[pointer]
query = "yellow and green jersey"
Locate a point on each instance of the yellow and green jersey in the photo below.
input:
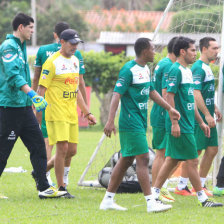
(204, 81)
(180, 82)
(60, 75)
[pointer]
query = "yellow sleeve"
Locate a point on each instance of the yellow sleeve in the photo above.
(47, 73)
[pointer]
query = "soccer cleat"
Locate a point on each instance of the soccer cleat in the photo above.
(210, 203)
(109, 204)
(3, 196)
(35, 178)
(207, 192)
(184, 192)
(166, 194)
(51, 192)
(217, 191)
(164, 200)
(67, 195)
(156, 205)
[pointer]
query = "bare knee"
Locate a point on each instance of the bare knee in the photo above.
(192, 163)
(211, 152)
(142, 160)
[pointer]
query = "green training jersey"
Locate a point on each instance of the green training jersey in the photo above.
(204, 81)
(134, 85)
(180, 82)
(158, 114)
(47, 50)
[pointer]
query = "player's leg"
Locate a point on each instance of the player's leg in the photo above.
(115, 180)
(33, 140)
(219, 188)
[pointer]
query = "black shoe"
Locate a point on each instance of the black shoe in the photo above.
(210, 203)
(35, 178)
(67, 195)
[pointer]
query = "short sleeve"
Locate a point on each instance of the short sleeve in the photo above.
(165, 76)
(38, 62)
(198, 77)
(47, 73)
(81, 63)
(174, 79)
(124, 81)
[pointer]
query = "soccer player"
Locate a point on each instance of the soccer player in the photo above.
(134, 88)
(43, 53)
(157, 118)
(16, 97)
(204, 86)
(181, 143)
(60, 79)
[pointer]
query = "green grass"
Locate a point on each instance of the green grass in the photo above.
(24, 206)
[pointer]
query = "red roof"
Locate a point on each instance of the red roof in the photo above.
(122, 20)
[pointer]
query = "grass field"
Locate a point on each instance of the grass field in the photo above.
(24, 206)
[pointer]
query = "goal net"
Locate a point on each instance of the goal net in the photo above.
(194, 19)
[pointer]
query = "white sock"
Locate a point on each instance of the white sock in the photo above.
(109, 195)
(202, 196)
(48, 175)
(65, 177)
(166, 183)
(149, 197)
(155, 192)
(182, 183)
(203, 179)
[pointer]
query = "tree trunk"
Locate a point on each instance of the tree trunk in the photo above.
(105, 107)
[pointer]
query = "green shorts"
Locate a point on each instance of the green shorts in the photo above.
(182, 148)
(159, 138)
(133, 143)
(43, 126)
(202, 141)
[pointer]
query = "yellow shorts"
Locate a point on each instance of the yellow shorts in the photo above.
(62, 131)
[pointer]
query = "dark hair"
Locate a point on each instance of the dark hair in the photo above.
(141, 44)
(204, 42)
(23, 19)
(171, 44)
(181, 43)
(60, 27)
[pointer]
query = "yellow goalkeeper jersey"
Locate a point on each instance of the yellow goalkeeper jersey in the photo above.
(60, 75)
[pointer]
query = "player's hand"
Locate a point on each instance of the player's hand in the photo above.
(91, 119)
(210, 120)
(39, 102)
(175, 130)
(109, 128)
(206, 129)
(218, 115)
(174, 114)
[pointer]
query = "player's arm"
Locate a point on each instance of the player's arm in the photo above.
(164, 93)
(82, 88)
(175, 129)
(202, 107)
(82, 105)
(174, 114)
(110, 127)
(218, 114)
(37, 72)
(205, 128)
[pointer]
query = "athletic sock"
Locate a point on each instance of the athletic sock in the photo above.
(182, 183)
(149, 197)
(202, 196)
(166, 183)
(48, 175)
(109, 195)
(155, 192)
(65, 177)
(203, 179)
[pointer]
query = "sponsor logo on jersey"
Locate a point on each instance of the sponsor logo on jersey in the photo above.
(197, 82)
(141, 76)
(8, 55)
(211, 88)
(68, 94)
(44, 77)
(49, 53)
(72, 81)
(118, 84)
(191, 91)
(63, 67)
(171, 84)
(75, 65)
(46, 72)
(145, 91)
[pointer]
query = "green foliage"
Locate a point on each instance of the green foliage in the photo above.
(102, 69)
(64, 12)
(197, 21)
(7, 12)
